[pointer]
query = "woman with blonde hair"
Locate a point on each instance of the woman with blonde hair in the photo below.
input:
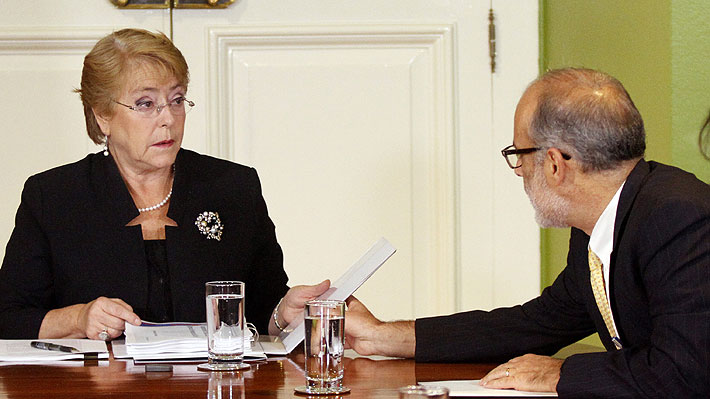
(134, 231)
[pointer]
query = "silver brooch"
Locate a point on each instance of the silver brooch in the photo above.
(209, 225)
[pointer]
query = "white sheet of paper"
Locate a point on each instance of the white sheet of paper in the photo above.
(343, 287)
(271, 345)
(19, 350)
(471, 388)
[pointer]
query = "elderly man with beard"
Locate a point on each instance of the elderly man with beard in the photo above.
(638, 267)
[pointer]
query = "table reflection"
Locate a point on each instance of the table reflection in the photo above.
(223, 385)
(367, 377)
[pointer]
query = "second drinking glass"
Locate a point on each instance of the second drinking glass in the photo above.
(324, 346)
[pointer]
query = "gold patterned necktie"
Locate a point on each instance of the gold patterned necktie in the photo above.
(596, 276)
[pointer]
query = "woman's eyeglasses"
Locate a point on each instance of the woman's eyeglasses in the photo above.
(148, 109)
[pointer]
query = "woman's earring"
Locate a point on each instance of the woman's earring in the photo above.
(106, 147)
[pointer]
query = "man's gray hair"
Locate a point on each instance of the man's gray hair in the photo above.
(589, 115)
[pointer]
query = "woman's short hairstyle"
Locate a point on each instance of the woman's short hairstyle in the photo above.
(113, 58)
(590, 115)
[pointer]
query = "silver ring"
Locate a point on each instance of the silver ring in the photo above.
(507, 372)
(104, 336)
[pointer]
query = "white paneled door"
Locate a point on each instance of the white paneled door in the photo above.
(363, 118)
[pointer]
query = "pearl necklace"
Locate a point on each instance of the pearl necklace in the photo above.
(158, 205)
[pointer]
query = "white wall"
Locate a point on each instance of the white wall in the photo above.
(364, 119)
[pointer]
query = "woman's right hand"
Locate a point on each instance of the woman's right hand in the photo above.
(88, 320)
(105, 314)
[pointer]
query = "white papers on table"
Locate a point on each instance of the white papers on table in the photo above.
(271, 345)
(345, 286)
(19, 350)
(173, 341)
(471, 388)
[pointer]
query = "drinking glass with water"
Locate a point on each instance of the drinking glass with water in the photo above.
(324, 346)
(225, 326)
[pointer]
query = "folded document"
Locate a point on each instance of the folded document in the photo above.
(20, 350)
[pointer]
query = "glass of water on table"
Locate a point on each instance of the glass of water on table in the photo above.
(324, 326)
(225, 326)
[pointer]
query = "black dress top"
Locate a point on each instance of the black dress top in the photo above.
(71, 244)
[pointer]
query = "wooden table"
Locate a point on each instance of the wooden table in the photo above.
(275, 378)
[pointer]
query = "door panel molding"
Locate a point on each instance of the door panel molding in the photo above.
(44, 41)
(43, 119)
(424, 55)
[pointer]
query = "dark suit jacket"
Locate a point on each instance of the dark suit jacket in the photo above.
(71, 245)
(660, 298)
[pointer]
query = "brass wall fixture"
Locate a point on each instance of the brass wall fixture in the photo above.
(147, 4)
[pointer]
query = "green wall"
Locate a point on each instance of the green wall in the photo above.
(690, 78)
(660, 51)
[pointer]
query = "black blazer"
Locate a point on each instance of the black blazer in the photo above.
(71, 245)
(660, 298)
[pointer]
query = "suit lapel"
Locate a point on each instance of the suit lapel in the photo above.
(626, 200)
(181, 187)
(111, 190)
(628, 195)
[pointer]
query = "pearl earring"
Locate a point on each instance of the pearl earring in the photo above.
(106, 147)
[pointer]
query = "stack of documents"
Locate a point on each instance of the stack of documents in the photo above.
(172, 341)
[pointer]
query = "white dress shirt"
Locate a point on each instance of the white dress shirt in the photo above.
(601, 242)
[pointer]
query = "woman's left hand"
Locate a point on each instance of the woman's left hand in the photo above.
(293, 303)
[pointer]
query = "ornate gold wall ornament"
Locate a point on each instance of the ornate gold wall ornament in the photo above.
(154, 4)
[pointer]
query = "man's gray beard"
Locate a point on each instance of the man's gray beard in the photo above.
(551, 210)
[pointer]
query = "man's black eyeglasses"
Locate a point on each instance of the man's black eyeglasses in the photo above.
(514, 163)
(512, 154)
